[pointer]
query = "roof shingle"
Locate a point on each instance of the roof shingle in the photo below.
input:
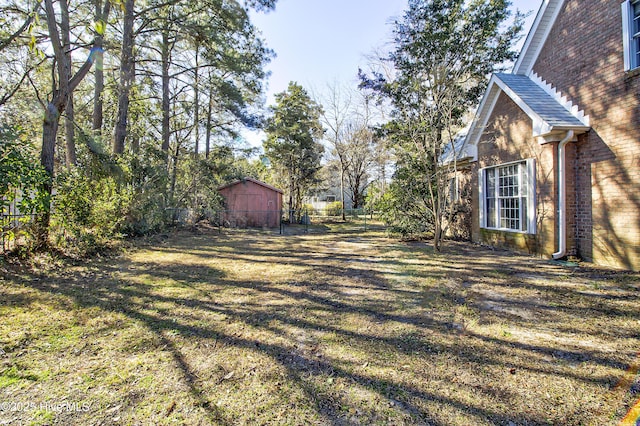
(540, 102)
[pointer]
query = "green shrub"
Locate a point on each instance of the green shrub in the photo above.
(22, 180)
(403, 216)
(88, 214)
(147, 177)
(309, 209)
(334, 209)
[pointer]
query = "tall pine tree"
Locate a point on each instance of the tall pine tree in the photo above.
(292, 145)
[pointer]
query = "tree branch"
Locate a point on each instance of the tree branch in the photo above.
(25, 25)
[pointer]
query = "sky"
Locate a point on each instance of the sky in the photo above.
(322, 42)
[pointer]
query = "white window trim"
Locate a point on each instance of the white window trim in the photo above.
(628, 36)
(530, 197)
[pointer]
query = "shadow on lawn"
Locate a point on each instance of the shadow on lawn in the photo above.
(380, 304)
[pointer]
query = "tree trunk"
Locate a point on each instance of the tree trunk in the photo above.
(165, 95)
(70, 134)
(52, 114)
(70, 144)
(62, 89)
(102, 13)
(98, 104)
(436, 198)
(126, 78)
(209, 119)
(356, 190)
(135, 136)
(174, 173)
(291, 188)
(196, 101)
(437, 236)
(47, 156)
(342, 188)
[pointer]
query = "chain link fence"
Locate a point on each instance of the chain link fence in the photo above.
(286, 222)
(331, 220)
(13, 225)
(13, 228)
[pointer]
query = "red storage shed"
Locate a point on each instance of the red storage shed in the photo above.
(251, 203)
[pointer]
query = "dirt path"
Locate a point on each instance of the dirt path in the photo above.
(256, 328)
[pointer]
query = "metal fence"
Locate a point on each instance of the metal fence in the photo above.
(331, 220)
(285, 222)
(12, 228)
(14, 225)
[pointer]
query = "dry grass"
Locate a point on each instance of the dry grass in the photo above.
(248, 327)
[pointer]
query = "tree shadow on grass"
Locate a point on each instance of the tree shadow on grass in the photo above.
(140, 291)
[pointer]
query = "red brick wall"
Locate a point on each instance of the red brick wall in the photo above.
(583, 59)
(508, 137)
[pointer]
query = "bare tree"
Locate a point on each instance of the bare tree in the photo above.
(350, 118)
(337, 111)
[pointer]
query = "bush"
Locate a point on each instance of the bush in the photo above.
(88, 214)
(22, 180)
(309, 209)
(334, 209)
(403, 216)
(147, 178)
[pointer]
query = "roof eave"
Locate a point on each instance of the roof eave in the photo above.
(482, 115)
(540, 128)
(557, 133)
(257, 182)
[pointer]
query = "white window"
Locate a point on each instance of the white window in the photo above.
(631, 33)
(507, 197)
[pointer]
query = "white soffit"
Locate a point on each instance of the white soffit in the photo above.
(537, 37)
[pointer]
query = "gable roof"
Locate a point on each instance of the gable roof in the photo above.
(248, 179)
(547, 113)
(551, 114)
(533, 44)
(461, 151)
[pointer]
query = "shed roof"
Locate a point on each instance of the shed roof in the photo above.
(248, 179)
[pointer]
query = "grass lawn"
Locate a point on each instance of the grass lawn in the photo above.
(250, 327)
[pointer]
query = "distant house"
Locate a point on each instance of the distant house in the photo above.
(556, 142)
(322, 199)
(251, 203)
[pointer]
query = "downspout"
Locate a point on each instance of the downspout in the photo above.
(562, 198)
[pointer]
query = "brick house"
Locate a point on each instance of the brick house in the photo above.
(556, 142)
